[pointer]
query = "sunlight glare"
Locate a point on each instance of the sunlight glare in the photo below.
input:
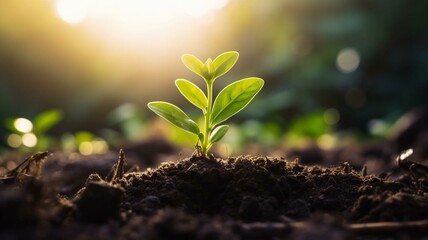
(198, 8)
(128, 18)
(71, 11)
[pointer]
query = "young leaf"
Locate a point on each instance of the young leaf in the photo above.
(193, 64)
(218, 133)
(174, 115)
(208, 70)
(234, 98)
(201, 137)
(192, 93)
(46, 120)
(224, 62)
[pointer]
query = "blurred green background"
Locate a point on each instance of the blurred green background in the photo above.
(82, 71)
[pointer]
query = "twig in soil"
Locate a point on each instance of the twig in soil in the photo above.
(358, 228)
(198, 151)
(118, 169)
(346, 167)
(388, 226)
(415, 169)
(24, 168)
(364, 171)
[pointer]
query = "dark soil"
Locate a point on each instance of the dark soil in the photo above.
(245, 197)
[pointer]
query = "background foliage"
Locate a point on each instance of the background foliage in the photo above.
(330, 66)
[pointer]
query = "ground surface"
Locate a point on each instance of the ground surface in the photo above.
(245, 197)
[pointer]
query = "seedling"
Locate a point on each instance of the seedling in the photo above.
(232, 99)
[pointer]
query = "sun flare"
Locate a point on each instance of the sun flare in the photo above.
(71, 12)
(135, 22)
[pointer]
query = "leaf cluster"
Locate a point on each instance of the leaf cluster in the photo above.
(232, 99)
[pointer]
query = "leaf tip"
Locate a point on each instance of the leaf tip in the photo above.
(186, 55)
(150, 105)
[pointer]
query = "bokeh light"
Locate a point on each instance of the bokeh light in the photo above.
(86, 148)
(348, 60)
(331, 116)
(29, 140)
(23, 125)
(377, 127)
(97, 146)
(14, 140)
(10, 165)
(326, 141)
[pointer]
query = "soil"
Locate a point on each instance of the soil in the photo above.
(244, 197)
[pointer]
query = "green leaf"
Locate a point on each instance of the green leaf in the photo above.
(10, 124)
(193, 64)
(192, 93)
(234, 98)
(224, 62)
(46, 120)
(174, 115)
(218, 133)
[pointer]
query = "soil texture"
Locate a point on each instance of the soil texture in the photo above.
(244, 197)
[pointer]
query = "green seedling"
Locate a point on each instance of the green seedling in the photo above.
(232, 99)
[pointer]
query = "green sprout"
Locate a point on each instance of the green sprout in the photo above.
(232, 99)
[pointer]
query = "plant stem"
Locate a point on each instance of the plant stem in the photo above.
(207, 127)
